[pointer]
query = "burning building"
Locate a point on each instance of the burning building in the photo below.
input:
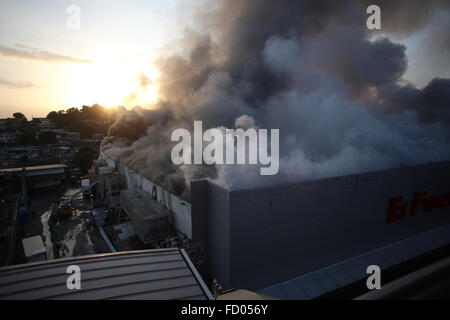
(363, 150)
(151, 208)
(332, 229)
(264, 236)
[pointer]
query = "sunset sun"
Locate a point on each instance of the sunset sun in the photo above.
(109, 83)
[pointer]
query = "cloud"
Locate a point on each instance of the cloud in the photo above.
(16, 84)
(29, 53)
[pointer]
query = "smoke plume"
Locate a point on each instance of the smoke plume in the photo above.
(309, 68)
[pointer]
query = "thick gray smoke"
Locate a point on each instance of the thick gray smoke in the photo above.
(309, 68)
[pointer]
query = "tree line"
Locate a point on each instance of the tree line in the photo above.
(87, 121)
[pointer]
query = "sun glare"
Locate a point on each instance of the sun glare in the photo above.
(111, 83)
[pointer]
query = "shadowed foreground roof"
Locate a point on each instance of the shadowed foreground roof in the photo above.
(148, 274)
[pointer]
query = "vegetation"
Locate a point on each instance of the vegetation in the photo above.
(87, 121)
(19, 116)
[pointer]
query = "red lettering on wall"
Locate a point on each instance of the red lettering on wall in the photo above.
(396, 210)
(417, 202)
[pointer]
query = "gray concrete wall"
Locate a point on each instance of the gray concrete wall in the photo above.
(281, 232)
(211, 227)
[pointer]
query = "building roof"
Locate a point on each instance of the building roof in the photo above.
(149, 274)
(139, 205)
(35, 168)
(33, 246)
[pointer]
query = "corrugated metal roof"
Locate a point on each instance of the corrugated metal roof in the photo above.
(149, 274)
(317, 283)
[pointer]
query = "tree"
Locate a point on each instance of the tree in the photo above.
(52, 116)
(19, 116)
(87, 121)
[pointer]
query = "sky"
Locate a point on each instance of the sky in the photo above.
(45, 66)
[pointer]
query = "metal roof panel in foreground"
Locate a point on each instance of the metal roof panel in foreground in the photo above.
(149, 274)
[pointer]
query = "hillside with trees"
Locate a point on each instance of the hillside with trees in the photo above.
(87, 121)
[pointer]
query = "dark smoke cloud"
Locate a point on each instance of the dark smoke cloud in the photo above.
(432, 102)
(309, 68)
